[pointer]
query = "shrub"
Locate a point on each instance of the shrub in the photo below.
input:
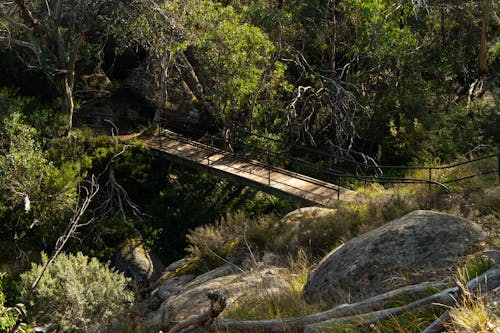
(10, 315)
(76, 294)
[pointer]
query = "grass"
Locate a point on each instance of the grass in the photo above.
(471, 315)
(288, 301)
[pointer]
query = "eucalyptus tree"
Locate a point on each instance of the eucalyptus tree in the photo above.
(221, 64)
(49, 35)
(146, 24)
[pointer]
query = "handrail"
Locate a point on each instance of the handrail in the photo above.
(326, 154)
(213, 149)
(240, 133)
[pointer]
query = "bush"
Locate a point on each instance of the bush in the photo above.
(76, 294)
(9, 316)
(236, 235)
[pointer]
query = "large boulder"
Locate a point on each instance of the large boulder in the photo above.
(191, 298)
(419, 246)
(135, 261)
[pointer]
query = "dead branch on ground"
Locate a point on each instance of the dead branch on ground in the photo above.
(363, 313)
(217, 305)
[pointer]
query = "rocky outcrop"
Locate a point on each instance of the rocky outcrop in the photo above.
(136, 262)
(419, 246)
(190, 298)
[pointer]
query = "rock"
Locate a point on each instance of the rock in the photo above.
(134, 261)
(419, 246)
(313, 228)
(177, 264)
(224, 270)
(492, 303)
(97, 83)
(308, 213)
(173, 286)
(193, 300)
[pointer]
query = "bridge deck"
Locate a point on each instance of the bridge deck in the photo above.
(250, 172)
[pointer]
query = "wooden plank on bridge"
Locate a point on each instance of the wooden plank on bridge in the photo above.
(250, 172)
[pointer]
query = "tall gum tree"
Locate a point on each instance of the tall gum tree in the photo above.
(49, 35)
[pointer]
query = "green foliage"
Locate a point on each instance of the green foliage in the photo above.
(33, 189)
(76, 294)
(36, 190)
(235, 60)
(47, 120)
(9, 316)
(473, 266)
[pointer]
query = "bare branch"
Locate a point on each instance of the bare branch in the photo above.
(74, 223)
(331, 110)
(31, 46)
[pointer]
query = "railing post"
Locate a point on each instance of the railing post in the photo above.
(498, 166)
(268, 168)
(159, 133)
(430, 177)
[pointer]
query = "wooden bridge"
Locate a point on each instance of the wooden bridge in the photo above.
(250, 172)
(257, 167)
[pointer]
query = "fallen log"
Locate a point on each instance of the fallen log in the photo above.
(347, 313)
(449, 297)
(438, 324)
(444, 298)
(343, 310)
(478, 286)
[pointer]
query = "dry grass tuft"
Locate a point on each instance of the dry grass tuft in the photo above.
(471, 316)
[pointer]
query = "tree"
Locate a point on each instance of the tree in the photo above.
(206, 56)
(237, 65)
(148, 25)
(50, 35)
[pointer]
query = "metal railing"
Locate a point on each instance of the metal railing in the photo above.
(269, 167)
(236, 143)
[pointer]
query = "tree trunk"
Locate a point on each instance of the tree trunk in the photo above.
(65, 90)
(483, 52)
(333, 5)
